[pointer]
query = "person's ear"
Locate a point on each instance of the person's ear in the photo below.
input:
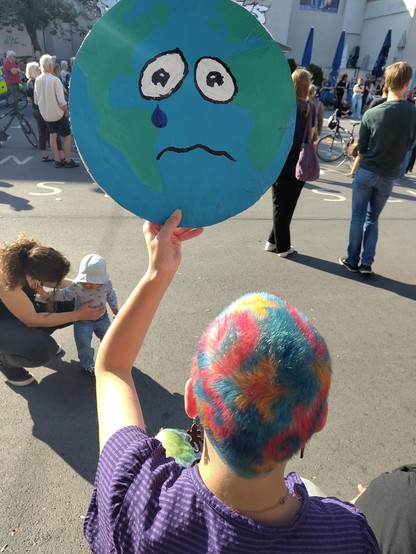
(189, 401)
(322, 420)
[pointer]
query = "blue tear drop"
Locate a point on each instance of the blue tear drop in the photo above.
(159, 118)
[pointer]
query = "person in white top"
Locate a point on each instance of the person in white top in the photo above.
(49, 96)
(357, 99)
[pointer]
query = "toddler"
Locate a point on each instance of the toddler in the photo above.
(91, 284)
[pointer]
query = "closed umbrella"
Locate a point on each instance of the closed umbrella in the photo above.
(381, 60)
(344, 59)
(307, 53)
(336, 62)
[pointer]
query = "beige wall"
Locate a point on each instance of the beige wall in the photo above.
(58, 47)
(12, 39)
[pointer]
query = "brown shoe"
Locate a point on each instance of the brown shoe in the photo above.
(71, 163)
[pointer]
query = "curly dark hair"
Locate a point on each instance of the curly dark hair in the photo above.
(27, 256)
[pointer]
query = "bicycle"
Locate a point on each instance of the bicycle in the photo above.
(334, 146)
(21, 101)
(6, 97)
(24, 125)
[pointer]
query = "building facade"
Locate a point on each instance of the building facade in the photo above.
(366, 23)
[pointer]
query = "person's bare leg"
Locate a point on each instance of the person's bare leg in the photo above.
(52, 141)
(61, 152)
(67, 148)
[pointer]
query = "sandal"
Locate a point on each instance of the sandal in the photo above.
(47, 159)
(71, 163)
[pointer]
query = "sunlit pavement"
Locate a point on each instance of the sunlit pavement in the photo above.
(49, 432)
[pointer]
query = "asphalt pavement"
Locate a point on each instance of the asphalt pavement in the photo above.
(49, 446)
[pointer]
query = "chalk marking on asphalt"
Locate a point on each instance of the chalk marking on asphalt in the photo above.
(337, 197)
(16, 160)
(45, 185)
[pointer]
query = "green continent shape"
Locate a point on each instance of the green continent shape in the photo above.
(277, 97)
(215, 25)
(277, 94)
(107, 64)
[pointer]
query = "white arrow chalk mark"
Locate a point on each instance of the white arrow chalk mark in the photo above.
(16, 160)
(337, 197)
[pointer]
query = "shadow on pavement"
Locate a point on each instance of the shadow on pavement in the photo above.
(16, 202)
(407, 290)
(98, 189)
(400, 190)
(312, 186)
(64, 415)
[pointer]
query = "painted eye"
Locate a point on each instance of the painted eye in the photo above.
(163, 75)
(215, 81)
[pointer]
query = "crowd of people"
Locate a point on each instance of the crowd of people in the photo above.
(387, 143)
(260, 377)
(355, 95)
(47, 86)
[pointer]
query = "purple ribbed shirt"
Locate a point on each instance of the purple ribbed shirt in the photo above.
(144, 502)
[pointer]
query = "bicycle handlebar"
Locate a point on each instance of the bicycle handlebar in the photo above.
(335, 118)
(10, 112)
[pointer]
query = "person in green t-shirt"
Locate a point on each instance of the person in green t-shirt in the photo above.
(386, 134)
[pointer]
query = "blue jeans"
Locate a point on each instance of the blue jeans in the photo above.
(357, 101)
(83, 332)
(370, 193)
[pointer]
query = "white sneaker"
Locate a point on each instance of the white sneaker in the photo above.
(270, 247)
(287, 253)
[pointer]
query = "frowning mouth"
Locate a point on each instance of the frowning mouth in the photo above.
(194, 147)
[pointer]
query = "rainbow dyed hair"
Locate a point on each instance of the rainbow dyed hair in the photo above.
(260, 378)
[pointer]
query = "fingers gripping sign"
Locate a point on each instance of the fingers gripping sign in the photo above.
(164, 242)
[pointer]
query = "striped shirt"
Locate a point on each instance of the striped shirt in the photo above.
(144, 502)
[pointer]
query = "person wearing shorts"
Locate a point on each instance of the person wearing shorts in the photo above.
(61, 127)
(49, 96)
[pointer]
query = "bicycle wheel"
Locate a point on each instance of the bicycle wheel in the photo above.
(28, 131)
(21, 101)
(330, 148)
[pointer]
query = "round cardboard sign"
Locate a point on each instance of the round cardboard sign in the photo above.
(179, 104)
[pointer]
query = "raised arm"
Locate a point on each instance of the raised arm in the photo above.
(22, 308)
(117, 401)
